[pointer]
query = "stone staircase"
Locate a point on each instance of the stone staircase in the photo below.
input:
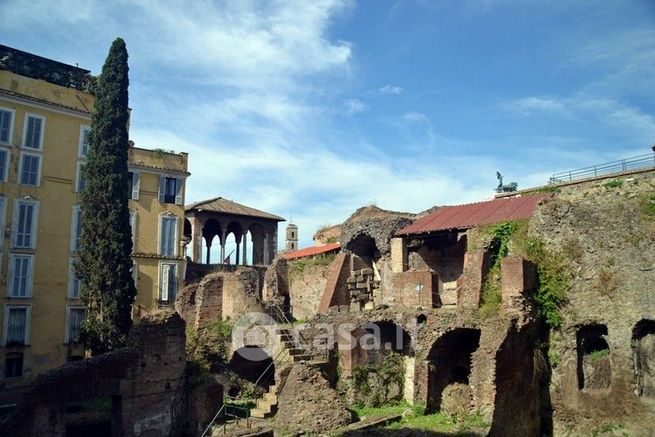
(267, 405)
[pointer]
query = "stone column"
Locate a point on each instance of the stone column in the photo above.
(245, 249)
(209, 248)
(221, 261)
(237, 253)
(196, 239)
(266, 250)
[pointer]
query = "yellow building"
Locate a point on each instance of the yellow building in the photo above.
(45, 117)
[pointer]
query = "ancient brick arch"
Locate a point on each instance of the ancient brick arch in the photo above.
(643, 344)
(450, 362)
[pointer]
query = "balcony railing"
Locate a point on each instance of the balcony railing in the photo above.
(634, 163)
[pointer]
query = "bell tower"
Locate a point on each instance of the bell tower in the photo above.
(291, 238)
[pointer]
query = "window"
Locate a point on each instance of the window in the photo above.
(16, 325)
(133, 227)
(6, 125)
(84, 141)
(2, 218)
(4, 164)
(81, 180)
(75, 318)
(133, 185)
(167, 242)
(170, 190)
(14, 365)
(135, 273)
(20, 279)
(167, 282)
(30, 166)
(76, 228)
(33, 131)
(74, 282)
(25, 218)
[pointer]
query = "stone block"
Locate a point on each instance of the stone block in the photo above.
(517, 277)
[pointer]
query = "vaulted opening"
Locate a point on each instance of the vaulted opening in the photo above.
(643, 344)
(594, 366)
(449, 363)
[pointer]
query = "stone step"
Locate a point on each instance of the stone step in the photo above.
(270, 397)
(261, 414)
(298, 358)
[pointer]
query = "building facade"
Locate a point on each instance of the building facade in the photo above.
(45, 120)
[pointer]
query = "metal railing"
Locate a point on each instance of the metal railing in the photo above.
(634, 163)
(229, 411)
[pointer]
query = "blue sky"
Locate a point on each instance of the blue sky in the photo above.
(315, 108)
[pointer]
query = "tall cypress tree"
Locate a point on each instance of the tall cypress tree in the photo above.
(104, 264)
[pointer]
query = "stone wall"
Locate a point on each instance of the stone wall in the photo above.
(307, 404)
(144, 383)
(221, 295)
(608, 241)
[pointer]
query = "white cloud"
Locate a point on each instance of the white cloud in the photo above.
(415, 117)
(529, 105)
(389, 89)
(354, 106)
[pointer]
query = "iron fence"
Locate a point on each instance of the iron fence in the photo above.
(634, 163)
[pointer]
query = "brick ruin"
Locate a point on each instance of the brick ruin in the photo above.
(138, 390)
(403, 311)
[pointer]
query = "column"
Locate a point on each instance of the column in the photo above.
(222, 260)
(245, 249)
(266, 259)
(209, 248)
(238, 244)
(196, 240)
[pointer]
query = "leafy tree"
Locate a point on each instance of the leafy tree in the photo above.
(104, 264)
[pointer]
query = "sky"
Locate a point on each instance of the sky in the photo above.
(312, 109)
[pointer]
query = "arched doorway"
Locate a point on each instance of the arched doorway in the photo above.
(449, 362)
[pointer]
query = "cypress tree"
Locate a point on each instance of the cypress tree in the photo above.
(104, 264)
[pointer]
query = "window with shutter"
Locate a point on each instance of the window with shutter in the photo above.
(84, 141)
(20, 282)
(74, 282)
(168, 236)
(16, 326)
(30, 167)
(76, 228)
(6, 125)
(168, 282)
(4, 160)
(75, 318)
(133, 181)
(33, 134)
(25, 218)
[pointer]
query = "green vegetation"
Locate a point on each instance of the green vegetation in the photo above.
(363, 412)
(439, 422)
(609, 427)
(552, 280)
(299, 266)
(647, 204)
(597, 354)
(614, 183)
(390, 370)
(207, 347)
(159, 152)
(104, 264)
(501, 235)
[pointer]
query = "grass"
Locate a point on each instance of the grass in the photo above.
(597, 354)
(614, 183)
(298, 267)
(440, 422)
(363, 412)
(647, 205)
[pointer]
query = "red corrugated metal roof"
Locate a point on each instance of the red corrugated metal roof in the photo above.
(475, 214)
(313, 250)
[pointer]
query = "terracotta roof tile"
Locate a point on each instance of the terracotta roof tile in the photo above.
(225, 206)
(475, 214)
(313, 250)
